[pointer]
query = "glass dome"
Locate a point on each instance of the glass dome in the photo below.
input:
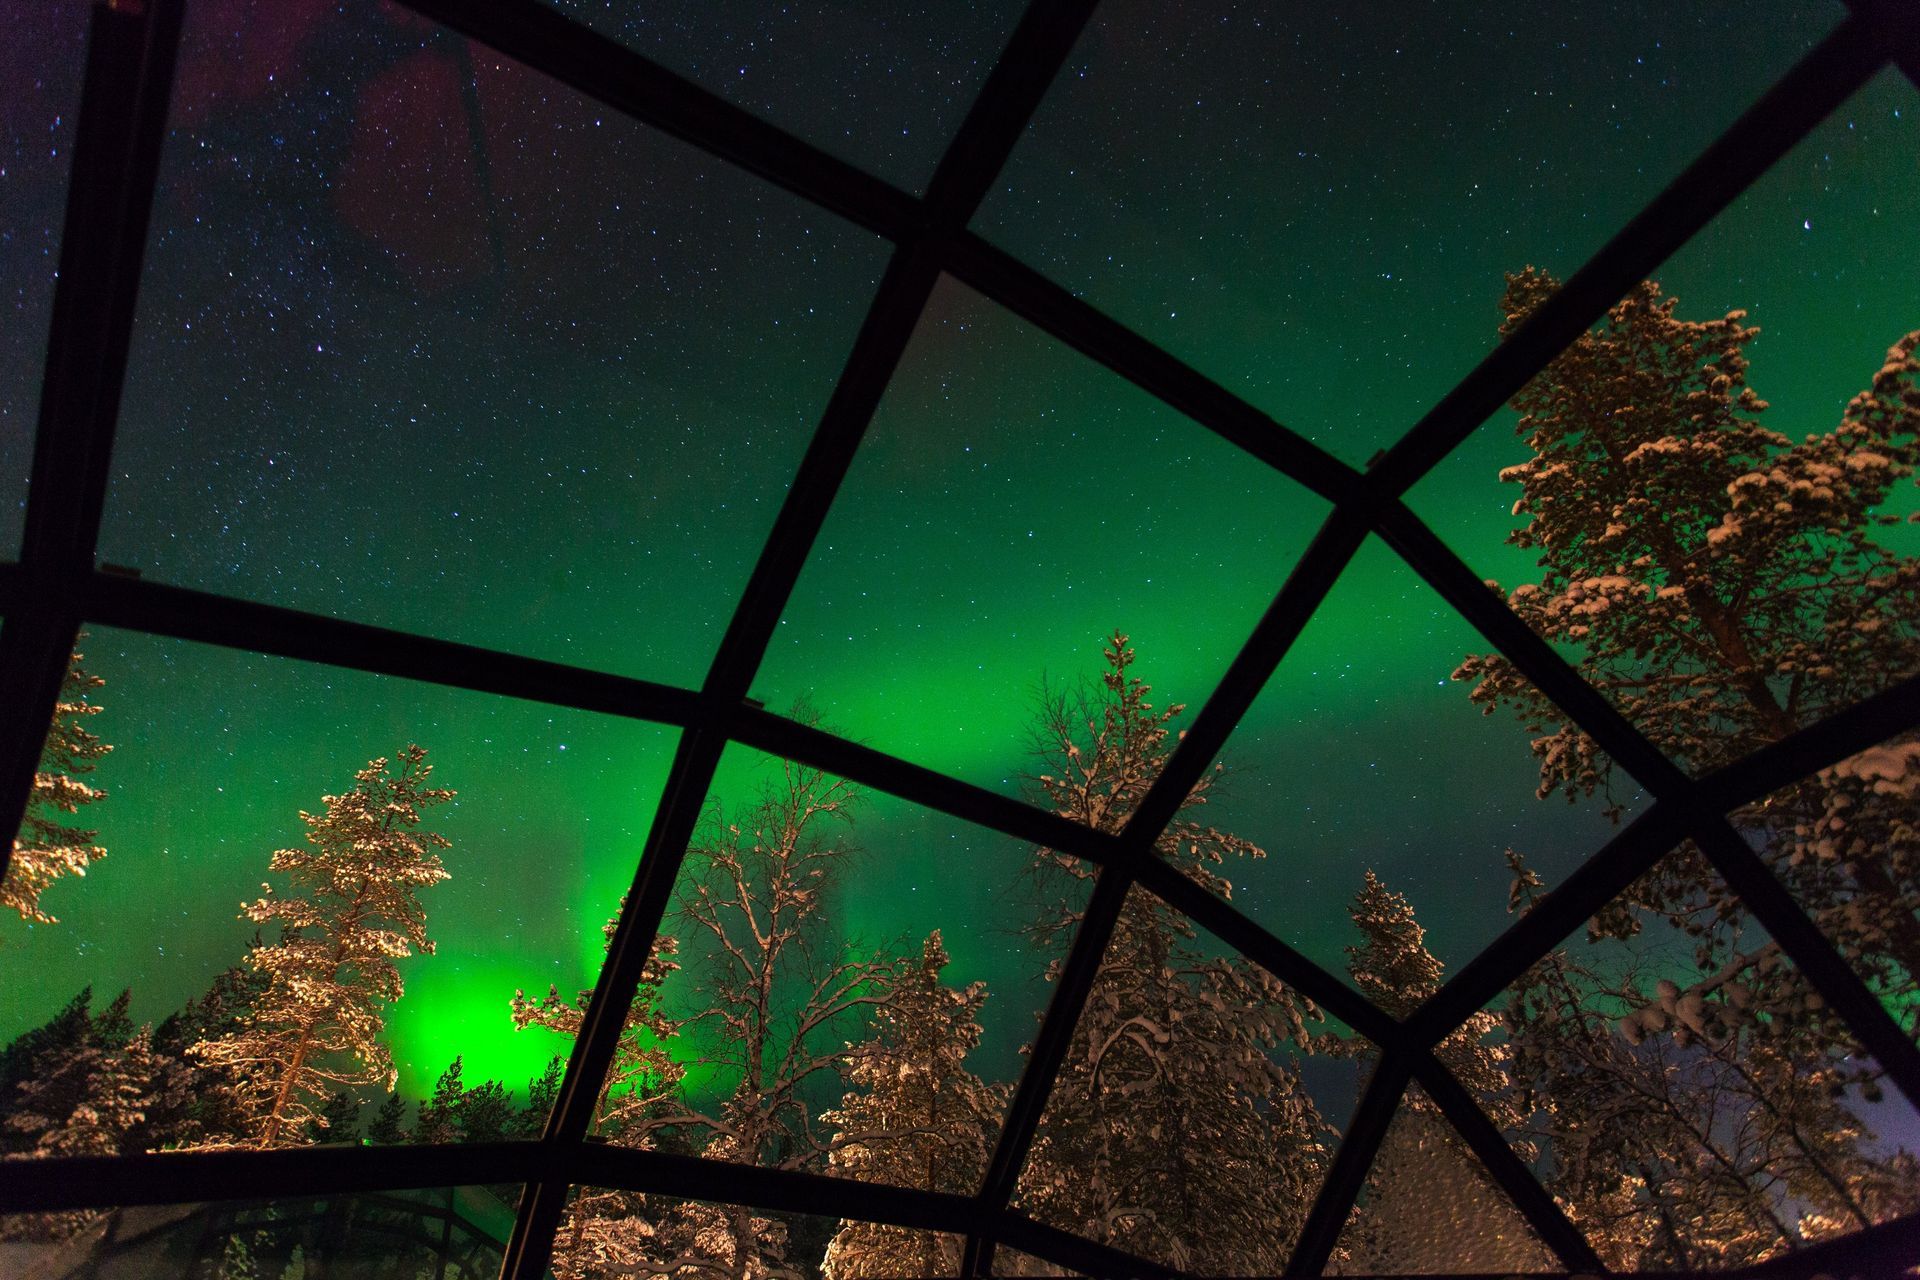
(686, 640)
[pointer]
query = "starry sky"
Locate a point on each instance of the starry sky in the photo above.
(430, 342)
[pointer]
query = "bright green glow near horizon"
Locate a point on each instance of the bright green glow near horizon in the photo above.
(1012, 505)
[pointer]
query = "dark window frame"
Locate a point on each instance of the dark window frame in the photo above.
(56, 586)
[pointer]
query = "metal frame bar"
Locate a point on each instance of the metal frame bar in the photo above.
(55, 587)
(1540, 1210)
(116, 160)
(1352, 1160)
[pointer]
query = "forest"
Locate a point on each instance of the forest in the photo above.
(1680, 1088)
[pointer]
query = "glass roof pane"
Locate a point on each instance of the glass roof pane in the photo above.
(1308, 204)
(1726, 585)
(1013, 505)
(1686, 1095)
(607, 1233)
(1183, 1127)
(42, 62)
(1016, 1263)
(1429, 1207)
(842, 985)
(882, 84)
(430, 341)
(1846, 844)
(451, 1233)
(1363, 757)
(1012, 1262)
(215, 758)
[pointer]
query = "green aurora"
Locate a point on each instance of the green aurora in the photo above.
(522, 454)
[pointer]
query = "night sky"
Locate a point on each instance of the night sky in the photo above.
(429, 342)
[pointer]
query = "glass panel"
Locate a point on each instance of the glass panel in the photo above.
(837, 989)
(1684, 1092)
(1013, 504)
(1365, 772)
(432, 342)
(882, 84)
(1429, 1207)
(42, 62)
(1314, 206)
(354, 985)
(1718, 547)
(1182, 1127)
(1012, 1262)
(452, 1233)
(607, 1233)
(872, 1251)
(1846, 844)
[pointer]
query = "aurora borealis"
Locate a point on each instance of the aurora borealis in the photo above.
(428, 342)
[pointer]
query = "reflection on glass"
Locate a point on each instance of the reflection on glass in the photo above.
(455, 1233)
(1181, 1127)
(1012, 504)
(1314, 205)
(1846, 844)
(260, 903)
(1363, 758)
(1429, 1207)
(429, 341)
(41, 63)
(1687, 1095)
(877, 82)
(1709, 486)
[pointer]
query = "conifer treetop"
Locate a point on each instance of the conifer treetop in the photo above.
(48, 847)
(352, 911)
(1721, 579)
(1100, 750)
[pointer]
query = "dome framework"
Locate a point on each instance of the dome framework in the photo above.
(56, 588)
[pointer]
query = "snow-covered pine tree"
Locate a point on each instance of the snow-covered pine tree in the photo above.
(37, 1052)
(339, 1120)
(47, 848)
(196, 1104)
(1428, 1199)
(610, 1231)
(484, 1112)
(436, 1122)
(55, 1071)
(91, 1101)
(543, 1091)
(1393, 968)
(922, 1119)
(331, 975)
(388, 1128)
(47, 1073)
(639, 1096)
(1708, 1126)
(1179, 1128)
(1722, 585)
